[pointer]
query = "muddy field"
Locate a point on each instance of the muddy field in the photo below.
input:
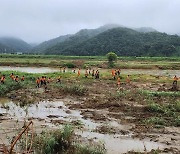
(119, 117)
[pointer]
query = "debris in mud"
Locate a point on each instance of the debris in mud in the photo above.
(53, 116)
(107, 129)
(93, 115)
(58, 121)
(68, 111)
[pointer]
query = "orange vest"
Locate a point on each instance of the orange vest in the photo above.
(118, 81)
(2, 78)
(127, 80)
(38, 81)
(113, 72)
(175, 78)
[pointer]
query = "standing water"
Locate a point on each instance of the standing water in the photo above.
(57, 110)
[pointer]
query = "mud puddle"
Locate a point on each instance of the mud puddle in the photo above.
(48, 114)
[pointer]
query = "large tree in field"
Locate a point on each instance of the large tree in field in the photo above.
(112, 57)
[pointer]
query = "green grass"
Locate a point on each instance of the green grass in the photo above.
(155, 121)
(161, 93)
(73, 89)
(62, 141)
(90, 61)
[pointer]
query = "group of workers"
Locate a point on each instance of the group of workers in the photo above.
(116, 74)
(89, 72)
(40, 81)
(13, 77)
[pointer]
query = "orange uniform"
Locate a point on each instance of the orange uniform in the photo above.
(22, 78)
(49, 80)
(79, 72)
(128, 79)
(16, 79)
(113, 73)
(38, 81)
(86, 73)
(12, 76)
(175, 78)
(118, 81)
(2, 79)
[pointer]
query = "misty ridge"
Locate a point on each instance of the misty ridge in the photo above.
(143, 41)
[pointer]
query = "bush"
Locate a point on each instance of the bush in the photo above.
(57, 141)
(155, 108)
(177, 121)
(112, 57)
(9, 86)
(62, 141)
(70, 65)
(74, 89)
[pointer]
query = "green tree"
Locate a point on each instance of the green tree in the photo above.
(112, 57)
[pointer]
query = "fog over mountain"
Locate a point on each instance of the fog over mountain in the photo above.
(36, 21)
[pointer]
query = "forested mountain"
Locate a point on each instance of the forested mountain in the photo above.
(12, 45)
(123, 41)
(64, 42)
(145, 29)
(5, 49)
(47, 44)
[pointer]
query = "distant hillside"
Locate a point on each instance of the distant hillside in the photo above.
(123, 41)
(11, 45)
(5, 49)
(64, 42)
(47, 44)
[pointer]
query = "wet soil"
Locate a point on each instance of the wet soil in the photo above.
(102, 115)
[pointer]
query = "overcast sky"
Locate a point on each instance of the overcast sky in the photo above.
(40, 20)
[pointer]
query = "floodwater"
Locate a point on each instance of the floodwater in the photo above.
(29, 69)
(169, 73)
(57, 110)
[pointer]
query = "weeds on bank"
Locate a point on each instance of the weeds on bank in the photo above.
(155, 121)
(171, 111)
(73, 89)
(9, 86)
(62, 141)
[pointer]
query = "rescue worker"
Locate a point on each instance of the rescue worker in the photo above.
(22, 78)
(93, 73)
(64, 69)
(89, 71)
(114, 74)
(79, 73)
(118, 72)
(16, 79)
(49, 80)
(118, 81)
(42, 80)
(3, 79)
(74, 71)
(175, 80)
(97, 74)
(12, 76)
(59, 79)
(86, 73)
(38, 82)
(128, 79)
